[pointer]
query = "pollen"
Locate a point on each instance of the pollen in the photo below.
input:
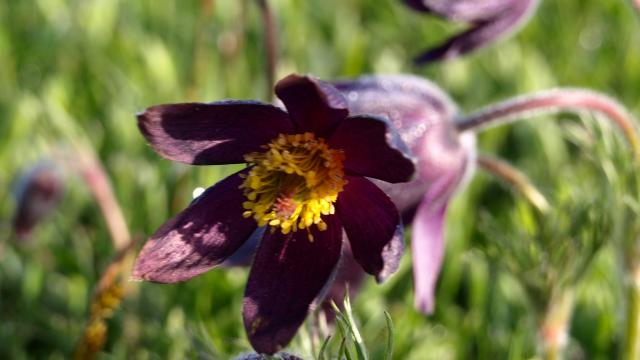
(293, 183)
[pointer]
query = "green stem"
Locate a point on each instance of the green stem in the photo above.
(554, 327)
(516, 179)
(632, 330)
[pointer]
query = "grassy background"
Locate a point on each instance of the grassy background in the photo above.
(77, 71)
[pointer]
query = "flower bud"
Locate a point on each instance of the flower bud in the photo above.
(37, 193)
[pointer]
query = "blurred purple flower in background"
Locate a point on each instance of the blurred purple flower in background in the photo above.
(37, 193)
(423, 115)
(489, 21)
(305, 183)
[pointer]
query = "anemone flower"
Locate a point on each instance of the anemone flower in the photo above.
(423, 115)
(489, 21)
(305, 183)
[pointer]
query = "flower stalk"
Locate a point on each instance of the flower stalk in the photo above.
(574, 100)
(554, 101)
(270, 44)
(554, 327)
(98, 183)
(514, 178)
(111, 288)
(632, 330)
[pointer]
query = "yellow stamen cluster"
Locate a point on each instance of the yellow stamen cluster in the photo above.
(295, 181)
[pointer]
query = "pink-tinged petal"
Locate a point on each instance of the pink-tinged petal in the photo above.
(485, 30)
(314, 106)
(288, 272)
(423, 115)
(463, 10)
(202, 236)
(373, 226)
(427, 247)
(216, 133)
(373, 148)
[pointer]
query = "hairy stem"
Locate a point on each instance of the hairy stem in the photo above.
(631, 349)
(98, 183)
(574, 100)
(554, 327)
(516, 179)
(554, 101)
(270, 44)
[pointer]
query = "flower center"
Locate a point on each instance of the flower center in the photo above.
(295, 181)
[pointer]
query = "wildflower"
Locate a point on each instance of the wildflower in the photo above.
(489, 20)
(305, 182)
(38, 192)
(423, 115)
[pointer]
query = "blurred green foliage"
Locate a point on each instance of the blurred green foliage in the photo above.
(77, 71)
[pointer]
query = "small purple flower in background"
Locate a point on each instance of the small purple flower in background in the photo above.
(489, 20)
(423, 115)
(305, 182)
(38, 191)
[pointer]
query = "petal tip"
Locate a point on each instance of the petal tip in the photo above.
(424, 304)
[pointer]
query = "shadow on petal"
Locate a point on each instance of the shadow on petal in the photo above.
(202, 236)
(373, 226)
(288, 272)
(216, 133)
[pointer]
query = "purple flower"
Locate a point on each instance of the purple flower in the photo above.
(423, 115)
(489, 20)
(38, 192)
(305, 182)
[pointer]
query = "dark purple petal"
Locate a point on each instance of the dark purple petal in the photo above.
(427, 249)
(313, 105)
(288, 273)
(373, 148)
(349, 276)
(280, 355)
(418, 5)
(413, 104)
(216, 133)
(423, 115)
(373, 226)
(491, 20)
(199, 238)
(244, 255)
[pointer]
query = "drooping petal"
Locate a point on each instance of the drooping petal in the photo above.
(287, 274)
(423, 115)
(413, 104)
(202, 236)
(373, 148)
(313, 105)
(490, 20)
(216, 133)
(463, 10)
(427, 247)
(373, 226)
